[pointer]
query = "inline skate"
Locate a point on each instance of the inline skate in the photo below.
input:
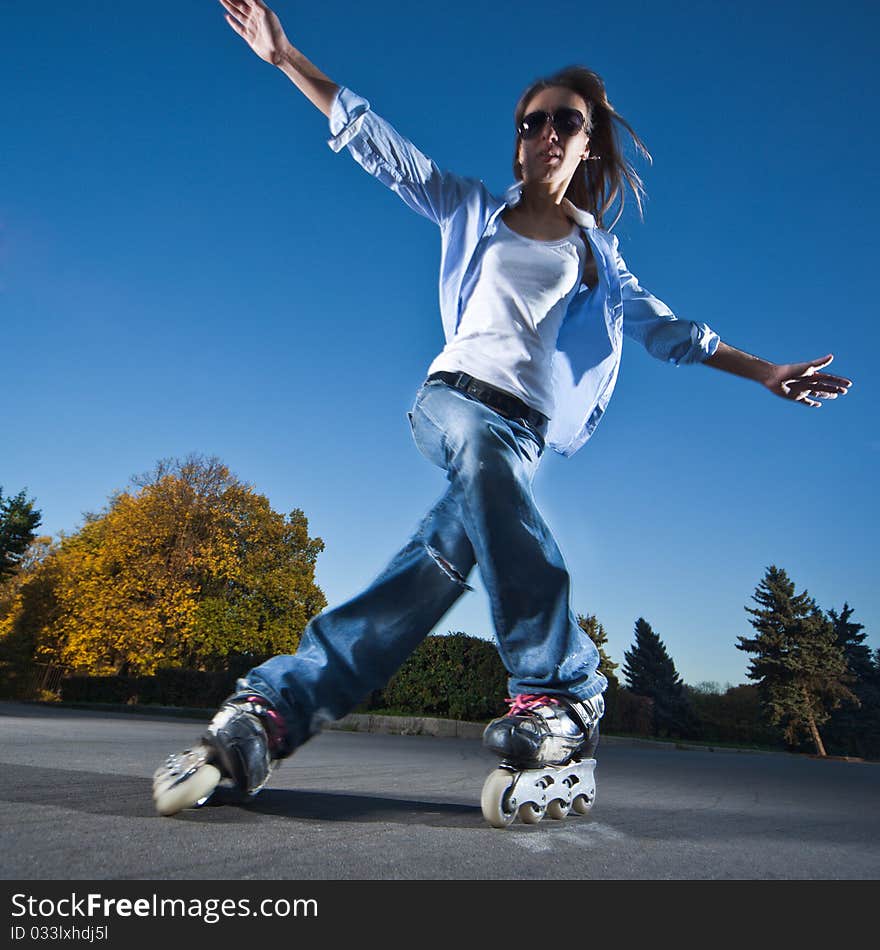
(241, 746)
(547, 745)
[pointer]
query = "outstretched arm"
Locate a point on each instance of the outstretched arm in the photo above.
(378, 147)
(262, 31)
(800, 382)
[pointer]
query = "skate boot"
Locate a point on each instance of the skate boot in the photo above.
(547, 744)
(241, 745)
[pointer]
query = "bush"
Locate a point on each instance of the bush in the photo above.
(627, 713)
(167, 688)
(454, 676)
(733, 716)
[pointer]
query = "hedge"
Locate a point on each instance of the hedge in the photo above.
(454, 676)
(450, 677)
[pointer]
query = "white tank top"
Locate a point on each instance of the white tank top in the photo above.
(507, 333)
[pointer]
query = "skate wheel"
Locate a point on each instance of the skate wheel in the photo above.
(558, 809)
(172, 794)
(530, 813)
(495, 799)
(582, 804)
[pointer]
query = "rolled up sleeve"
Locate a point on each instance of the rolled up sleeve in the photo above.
(650, 322)
(387, 155)
(346, 117)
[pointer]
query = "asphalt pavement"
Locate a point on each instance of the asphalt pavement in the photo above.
(75, 803)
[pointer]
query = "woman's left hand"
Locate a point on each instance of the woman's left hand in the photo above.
(803, 382)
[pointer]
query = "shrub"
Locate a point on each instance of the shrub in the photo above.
(626, 712)
(168, 687)
(454, 676)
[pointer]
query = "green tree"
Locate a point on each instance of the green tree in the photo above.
(855, 730)
(799, 665)
(18, 523)
(649, 671)
(596, 632)
(851, 639)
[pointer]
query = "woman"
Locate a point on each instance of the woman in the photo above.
(534, 299)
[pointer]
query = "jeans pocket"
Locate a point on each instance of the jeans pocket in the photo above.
(429, 438)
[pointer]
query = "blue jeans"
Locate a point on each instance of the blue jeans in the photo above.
(487, 516)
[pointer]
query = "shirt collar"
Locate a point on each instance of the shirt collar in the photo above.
(513, 195)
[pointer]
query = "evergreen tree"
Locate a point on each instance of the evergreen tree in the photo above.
(596, 632)
(855, 730)
(18, 523)
(649, 671)
(798, 664)
(851, 639)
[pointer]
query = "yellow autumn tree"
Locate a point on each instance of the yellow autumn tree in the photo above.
(186, 568)
(27, 606)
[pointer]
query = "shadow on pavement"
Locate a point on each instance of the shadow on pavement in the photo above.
(315, 805)
(97, 793)
(650, 822)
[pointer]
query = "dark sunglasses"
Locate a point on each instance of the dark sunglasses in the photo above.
(566, 121)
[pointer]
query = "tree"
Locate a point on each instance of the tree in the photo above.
(596, 632)
(855, 729)
(27, 607)
(851, 640)
(188, 568)
(799, 664)
(18, 523)
(649, 671)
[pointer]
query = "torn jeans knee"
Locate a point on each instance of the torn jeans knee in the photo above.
(447, 568)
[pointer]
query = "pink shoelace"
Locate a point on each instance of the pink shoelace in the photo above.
(527, 701)
(274, 724)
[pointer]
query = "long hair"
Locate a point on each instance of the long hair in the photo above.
(599, 180)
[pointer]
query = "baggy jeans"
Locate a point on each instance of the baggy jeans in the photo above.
(487, 516)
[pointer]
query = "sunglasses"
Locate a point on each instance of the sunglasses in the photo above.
(566, 121)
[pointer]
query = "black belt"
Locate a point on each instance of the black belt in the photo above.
(502, 402)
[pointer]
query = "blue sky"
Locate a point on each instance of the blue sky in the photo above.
(185, 266)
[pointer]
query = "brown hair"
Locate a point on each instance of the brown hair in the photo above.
(603, 177)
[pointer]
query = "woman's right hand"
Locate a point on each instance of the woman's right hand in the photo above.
(258, 26)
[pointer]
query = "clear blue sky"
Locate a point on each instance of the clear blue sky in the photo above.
(186, 266)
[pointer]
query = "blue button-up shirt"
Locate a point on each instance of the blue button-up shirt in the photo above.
(588, 348)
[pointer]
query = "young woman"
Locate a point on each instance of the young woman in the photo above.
(534, 299)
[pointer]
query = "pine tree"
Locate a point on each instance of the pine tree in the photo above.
(596, 632)
(649, 671)
(852, 640)
(855, 729)
(798, 664)
(18, 523)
